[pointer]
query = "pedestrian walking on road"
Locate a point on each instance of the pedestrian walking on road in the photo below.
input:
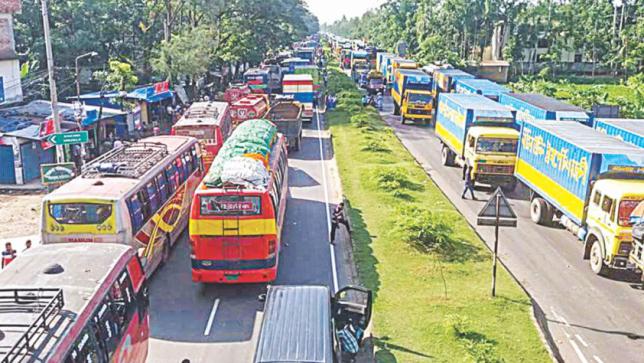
(469, 185)
(8, 255)
(338, 218)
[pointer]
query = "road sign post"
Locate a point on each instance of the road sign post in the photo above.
(68, 138)
(57, 174)
(497, 212)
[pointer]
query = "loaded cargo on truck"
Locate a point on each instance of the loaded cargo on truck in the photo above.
(629, 130)
(586, 181)
(532, 106)
(445, 79)
(286, 114)
(411, 93)
(480, 133)
(300, 86)
(482, 87)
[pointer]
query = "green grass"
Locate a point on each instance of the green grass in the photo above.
(430, 304)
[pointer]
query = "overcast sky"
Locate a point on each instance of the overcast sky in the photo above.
(328, 11)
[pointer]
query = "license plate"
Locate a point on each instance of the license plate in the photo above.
(232, 277)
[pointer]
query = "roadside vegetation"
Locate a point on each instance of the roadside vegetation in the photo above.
(429, 271)
(585, 91)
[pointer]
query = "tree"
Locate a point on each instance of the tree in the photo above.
(119, 76)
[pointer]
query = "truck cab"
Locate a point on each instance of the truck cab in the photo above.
(491, 152)
(416, 106)
(609, 239)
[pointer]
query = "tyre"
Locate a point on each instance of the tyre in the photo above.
(597, 259)
(165, 254)
(402, 119)
(396, 110)
(539, 211)
(447, 157)
(297, 144)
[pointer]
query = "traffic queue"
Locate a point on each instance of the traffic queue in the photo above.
(223, 174)
(583, 173)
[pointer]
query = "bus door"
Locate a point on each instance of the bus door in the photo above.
(232, 246)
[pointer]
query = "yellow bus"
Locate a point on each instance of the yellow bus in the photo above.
(138, 194)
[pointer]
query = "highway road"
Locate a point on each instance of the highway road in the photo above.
(590, 318)
(220, 323)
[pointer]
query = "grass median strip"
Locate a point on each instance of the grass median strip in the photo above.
(429, 271)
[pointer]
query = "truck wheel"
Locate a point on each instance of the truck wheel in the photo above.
(402, 119)
(396, 110)
(597, 259)
(539, 211)
(447, 157)
(297, 144)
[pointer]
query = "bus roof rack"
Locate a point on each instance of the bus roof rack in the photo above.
(130, 161)
(46, 303)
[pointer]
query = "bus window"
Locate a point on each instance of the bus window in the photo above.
(187, 162)
(172, 175)
(195, 158)
(178, 163)
(80, 213)
(153, 194)
(84, 349)
(136, 215)
(145, 204)
(230, 205)
(162, 183)
(122, 300)
(107, 328)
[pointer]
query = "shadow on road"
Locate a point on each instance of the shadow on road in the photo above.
(300, 179)
(385, 346)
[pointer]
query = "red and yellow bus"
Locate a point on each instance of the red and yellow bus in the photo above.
(235, 231)
(210, 123)
(74, 303)
(138, 195)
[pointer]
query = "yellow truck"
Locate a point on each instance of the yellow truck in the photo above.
(412, 95)
(479, 133)
(586, 181)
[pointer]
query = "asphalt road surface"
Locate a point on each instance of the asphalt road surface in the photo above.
(590, 318)
(220, 323)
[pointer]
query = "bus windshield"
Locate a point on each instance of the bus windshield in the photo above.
(230, 205)
(197, 131)
(485, 145)
(80, 213)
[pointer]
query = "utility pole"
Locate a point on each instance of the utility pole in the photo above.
(60, 154)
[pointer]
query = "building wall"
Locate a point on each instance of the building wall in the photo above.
(11, 90)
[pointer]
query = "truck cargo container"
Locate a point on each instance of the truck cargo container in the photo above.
(300, 86)
(399, 63)
(445, 79)
(532, 106)
(585, 180)
(482, 87)
(480, 133)
(289, 64)
(381, 59)
(411, 93)
(286, 114)
(629, 130)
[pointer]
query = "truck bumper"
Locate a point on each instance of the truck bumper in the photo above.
(495, 179)
(418, 118)
(234, 277)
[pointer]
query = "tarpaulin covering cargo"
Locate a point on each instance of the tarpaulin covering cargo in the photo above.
(629, 130)
(560, 160)
(252, 139)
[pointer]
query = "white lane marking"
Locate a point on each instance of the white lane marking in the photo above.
(326, 205)
(559, 317)
(567, 335)
(597, 359)
(578, 351)
(211, 319)
(581, 340)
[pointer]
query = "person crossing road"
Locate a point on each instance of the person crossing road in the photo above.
(338, 218)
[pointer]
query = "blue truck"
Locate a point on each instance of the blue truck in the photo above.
(480, 133)
(445, 79)
(586, 181)
(532, 106)
(484, 87)
(629, 130)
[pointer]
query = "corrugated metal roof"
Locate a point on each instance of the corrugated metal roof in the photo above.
(484, 85)
(588, 138)
(296, 325)
(545, 102)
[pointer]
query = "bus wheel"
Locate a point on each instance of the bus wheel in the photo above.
(597, 259)
(165, 256)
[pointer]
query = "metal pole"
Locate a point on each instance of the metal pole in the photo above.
(77, 80)
(60, 154)
(496, 245)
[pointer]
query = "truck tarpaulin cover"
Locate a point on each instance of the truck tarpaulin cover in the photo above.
(253, 140)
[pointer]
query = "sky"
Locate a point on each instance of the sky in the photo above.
(328, 11)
